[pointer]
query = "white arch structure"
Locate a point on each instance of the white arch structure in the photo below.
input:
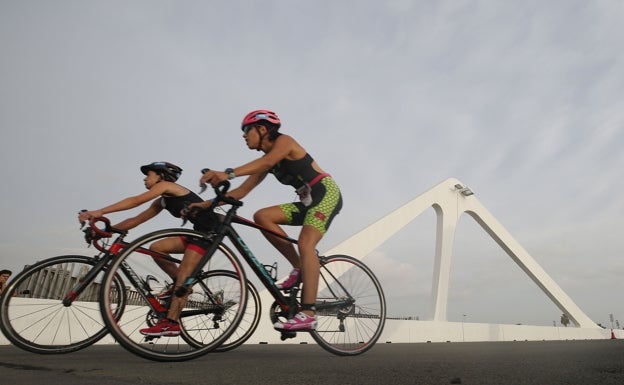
(450, 199)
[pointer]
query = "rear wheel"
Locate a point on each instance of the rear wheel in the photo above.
(36, 320)
(206, 321)
(350, 306)
(221, 282)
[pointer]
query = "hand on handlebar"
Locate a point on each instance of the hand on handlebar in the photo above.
(97, 216)
(94, 233)
(212, 177)
(221, 185)
(86, 215)
(190, 210)
(200, 206)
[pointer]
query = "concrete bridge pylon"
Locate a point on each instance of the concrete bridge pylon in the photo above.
(450, 199)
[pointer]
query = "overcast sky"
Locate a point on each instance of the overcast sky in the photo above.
(521, 101)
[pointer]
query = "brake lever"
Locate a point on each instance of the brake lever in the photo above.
(203, 171)
(82, 224)
(184, 212)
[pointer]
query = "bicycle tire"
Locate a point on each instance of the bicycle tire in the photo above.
(355, 326)
(204, 322)
(251, 317)
(36, 319)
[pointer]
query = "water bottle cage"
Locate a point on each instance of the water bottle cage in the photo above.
(271, 270)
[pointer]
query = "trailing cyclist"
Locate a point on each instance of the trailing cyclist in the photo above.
(164, 193)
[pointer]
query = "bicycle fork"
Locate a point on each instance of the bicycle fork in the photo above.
(75, 291)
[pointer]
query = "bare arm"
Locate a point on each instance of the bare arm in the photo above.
(248, 184)
(127, 203)
(154, 209)
(238, 193)
(285, 147)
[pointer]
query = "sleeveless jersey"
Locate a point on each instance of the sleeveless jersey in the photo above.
(295, 173)
(203, 219)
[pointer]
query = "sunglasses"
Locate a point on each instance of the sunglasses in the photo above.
(248, 127)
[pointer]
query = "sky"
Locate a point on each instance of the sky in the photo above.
(521, 101)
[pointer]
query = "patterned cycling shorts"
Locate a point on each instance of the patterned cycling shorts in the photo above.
(326, 204)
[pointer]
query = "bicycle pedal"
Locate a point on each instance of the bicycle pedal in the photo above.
(287, 335)
(293, 289)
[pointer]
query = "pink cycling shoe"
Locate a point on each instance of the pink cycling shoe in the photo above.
(300, 322)
(292, 280)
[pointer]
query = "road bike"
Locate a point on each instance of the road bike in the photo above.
(56, 306)
(350, 306)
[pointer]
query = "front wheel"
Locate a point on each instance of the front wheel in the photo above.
(350, 306)
(35, 318)
(211, 311)
(225, 286)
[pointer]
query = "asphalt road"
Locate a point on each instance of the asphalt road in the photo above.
(480, 363)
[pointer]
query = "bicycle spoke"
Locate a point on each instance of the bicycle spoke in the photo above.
(36, 318)
(204, 324)
(350, 305)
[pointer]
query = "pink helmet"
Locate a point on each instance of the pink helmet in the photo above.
(260, 115)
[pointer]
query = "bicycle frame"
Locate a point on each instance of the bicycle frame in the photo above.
(256, 266)
(225, 229)
(109, 253)
(287, 303)
(262, 273)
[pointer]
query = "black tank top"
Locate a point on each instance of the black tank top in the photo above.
(295, 172)
(204, 219)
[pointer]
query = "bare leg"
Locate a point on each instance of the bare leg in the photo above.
(172, 245)
(271, 218)
(189, 262)
(308, 239)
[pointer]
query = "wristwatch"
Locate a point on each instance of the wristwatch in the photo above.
(230, 172)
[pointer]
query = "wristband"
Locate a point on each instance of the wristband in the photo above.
(230, 172)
